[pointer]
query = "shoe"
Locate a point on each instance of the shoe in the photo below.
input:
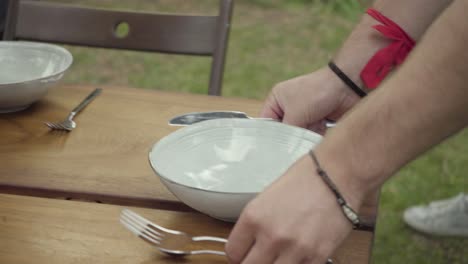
(444, 218)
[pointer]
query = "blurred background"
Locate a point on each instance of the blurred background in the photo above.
(272, 41)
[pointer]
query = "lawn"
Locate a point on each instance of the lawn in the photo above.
(271, 41)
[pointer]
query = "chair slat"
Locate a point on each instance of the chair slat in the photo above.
(73, 25)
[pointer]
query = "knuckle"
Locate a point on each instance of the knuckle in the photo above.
(303, 246)
(249, 216)
(280, 238)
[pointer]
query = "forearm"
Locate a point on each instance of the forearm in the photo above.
(413, 16)
(422, 104)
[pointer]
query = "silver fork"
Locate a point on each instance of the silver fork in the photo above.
(168, 241)
(68, 124)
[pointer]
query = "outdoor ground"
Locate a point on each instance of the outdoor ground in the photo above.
(271, 41)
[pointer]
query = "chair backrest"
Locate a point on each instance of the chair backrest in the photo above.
(204, 35)
(3, 9)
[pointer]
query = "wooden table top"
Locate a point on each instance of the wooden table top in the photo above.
(41, 230)
(105, 160)
(106, 157)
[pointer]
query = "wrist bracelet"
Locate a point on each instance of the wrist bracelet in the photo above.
(346, 79)
(350, 214)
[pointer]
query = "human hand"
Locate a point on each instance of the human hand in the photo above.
(306, 101)
(295, 220)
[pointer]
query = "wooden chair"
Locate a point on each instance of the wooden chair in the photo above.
(159, 32)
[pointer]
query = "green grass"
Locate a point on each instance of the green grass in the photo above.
(271, 41)
(439, 174)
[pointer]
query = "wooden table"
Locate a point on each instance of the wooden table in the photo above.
(103, 160)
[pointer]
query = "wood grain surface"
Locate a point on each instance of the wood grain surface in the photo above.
(105, 158)
(40, 230)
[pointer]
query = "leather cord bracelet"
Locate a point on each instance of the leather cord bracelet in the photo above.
(350, 214)
(346, 79)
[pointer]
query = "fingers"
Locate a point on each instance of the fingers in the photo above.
(260, 253)
(300, 251)
(289, 257)
(294, 119)
(240, 241)
(272, 108)
(318, 127)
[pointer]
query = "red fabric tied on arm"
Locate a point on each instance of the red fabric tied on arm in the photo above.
(389, 57)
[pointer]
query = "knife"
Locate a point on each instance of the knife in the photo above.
(195, 117)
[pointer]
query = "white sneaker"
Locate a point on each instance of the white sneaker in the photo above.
(445, 218)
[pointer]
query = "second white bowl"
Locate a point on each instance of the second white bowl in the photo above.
(27, 70)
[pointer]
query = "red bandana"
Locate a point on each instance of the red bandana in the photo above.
(385, 59)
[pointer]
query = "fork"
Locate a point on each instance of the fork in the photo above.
(167, 240)
(68, 124)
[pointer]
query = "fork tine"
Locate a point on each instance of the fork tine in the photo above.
(60, 126)
(149, 223)
(54, 126)
(141, 226)
(50, 125)
(141, 229)
(141, 234)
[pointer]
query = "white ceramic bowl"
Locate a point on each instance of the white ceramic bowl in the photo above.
(218, 166)
(27, 70)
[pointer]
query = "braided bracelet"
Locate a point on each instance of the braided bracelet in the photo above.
(346, 79)
(350, 214)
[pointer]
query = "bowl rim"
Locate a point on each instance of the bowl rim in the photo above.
(219, 122)
(34, 44)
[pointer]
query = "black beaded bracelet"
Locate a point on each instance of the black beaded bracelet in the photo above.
(350, 214)
(346, 79)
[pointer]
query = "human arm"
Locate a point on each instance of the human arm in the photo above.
(413, 16)
(425, 102)
(307, 100)
(297, 219)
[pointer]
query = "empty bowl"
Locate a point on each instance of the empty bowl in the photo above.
(218, 166)
(27, 71)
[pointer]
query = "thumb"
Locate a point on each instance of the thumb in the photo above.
(272, 108)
